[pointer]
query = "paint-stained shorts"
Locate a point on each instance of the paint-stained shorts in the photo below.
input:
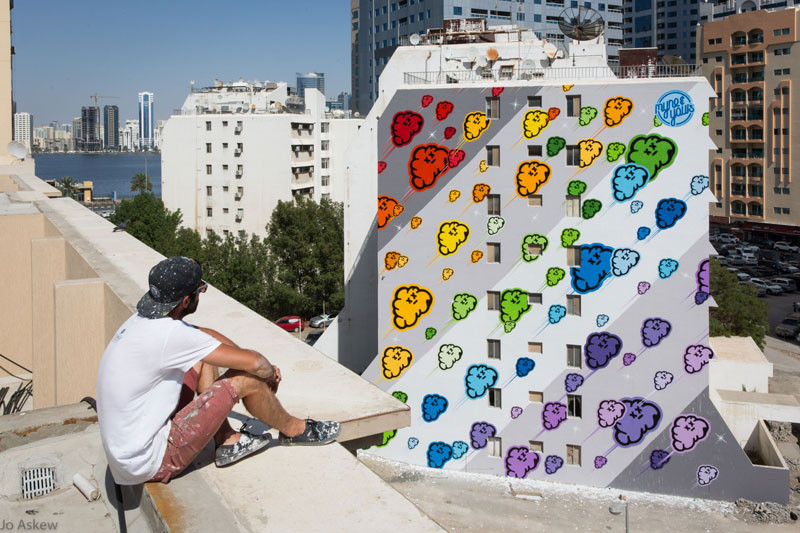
(195, 423)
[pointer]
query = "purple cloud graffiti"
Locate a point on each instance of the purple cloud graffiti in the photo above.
(706, 474)
(658, 458)
(654, 330)
(696, 357)
(703, 287)
(640, 418)
(600, 462)
(479, 434)
(516, 411)
(552, 463)
(600, 348)
(628, 359)
(687, 431)
(661, 379)
(608, 412)
(572, 382)
(553, 414)
(520, 461)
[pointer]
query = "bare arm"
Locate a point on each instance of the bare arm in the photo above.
(249, 361)
(219, 336)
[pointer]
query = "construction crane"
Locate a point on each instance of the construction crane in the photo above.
(95, 96)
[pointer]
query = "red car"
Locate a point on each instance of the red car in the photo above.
(291, 323)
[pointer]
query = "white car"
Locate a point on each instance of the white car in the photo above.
(736, 260)
(727, 238)
(785, 247)
(750, 259)
(771, 288)
(787, 284)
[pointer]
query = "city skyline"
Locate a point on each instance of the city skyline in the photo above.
(54, 86)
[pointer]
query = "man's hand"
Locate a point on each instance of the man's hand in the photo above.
(275, 380)
(265, 370)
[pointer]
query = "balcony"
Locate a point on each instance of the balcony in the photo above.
(739, 41)
(739, 154)
(739, 78)
(755, 154)
(756, 77)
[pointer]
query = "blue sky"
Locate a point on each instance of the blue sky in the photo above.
(67, 50)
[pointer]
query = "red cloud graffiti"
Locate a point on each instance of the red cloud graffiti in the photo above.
(427, 163)
(405, 125)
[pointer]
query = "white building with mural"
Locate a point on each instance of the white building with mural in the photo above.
(540, 290)
(237, 149)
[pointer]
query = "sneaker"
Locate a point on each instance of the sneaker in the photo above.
(316, 434)
(246, 445)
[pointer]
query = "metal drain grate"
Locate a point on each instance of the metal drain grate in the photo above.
(38, 481)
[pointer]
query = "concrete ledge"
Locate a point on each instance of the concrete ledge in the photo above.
(24, 428)
(742, 410)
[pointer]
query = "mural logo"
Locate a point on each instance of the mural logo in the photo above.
(674, 108)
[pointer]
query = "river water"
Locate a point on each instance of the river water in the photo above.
(110, 173)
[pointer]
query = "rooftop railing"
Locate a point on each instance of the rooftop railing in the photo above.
(566, 73)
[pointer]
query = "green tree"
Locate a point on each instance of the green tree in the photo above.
(305, 251)
(141, 182)
(68, 186)
(739, 311)
(150, 222)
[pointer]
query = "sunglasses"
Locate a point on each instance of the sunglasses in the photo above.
(202, 288)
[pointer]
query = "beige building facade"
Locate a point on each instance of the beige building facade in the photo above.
(751, 61)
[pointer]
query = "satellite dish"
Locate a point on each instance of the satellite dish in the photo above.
(472, 54)
(492, 54)
(481, 62)
(672, 60)
(17, 149)
(581, 23)
(529, 64)
(550, 50)
(413, 39)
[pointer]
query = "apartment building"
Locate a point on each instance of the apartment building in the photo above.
(378, 28)
(750, 59)
(23, 128)
(669, 25)
(237, 149)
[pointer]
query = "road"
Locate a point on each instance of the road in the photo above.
(779, 307)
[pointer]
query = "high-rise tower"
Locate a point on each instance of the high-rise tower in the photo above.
(111, 123)
(146, 120)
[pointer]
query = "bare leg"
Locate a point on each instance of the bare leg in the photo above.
(263, 404)
(208, 374)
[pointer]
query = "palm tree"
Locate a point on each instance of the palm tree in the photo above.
(68, 186)
(141, 182)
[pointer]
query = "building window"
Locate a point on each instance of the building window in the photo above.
(574, 304)
(493, 300)
(535, 200)
(208, 190)
(534, 150)
(535, 347)
(208, 148)
(535, 298)
(326, 162)
(574, 355)
(574, 256)
(224, 210)
(573, 105)
(493, 156)
(495, 446)
(535, 249)
(208, 169)
(209, 211)
(208, 125)
(493, 348)
(573, 455)
(326, 181)
(325, 127)
(492, 107)
(534, 101)
(325, 145)
(786, 210)
(225, 123)
(574, 405)
(493, 204)
(493, 252)
(573, 155)
(495, 397)
(536, 446)
(573, 206)
(224, 188)
(535, 396)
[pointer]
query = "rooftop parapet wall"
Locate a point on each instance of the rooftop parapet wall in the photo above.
(87, 282)
(543, 285)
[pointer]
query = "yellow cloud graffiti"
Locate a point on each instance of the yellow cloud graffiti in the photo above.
(616, 109)
(531, 175)
(447, 273)
(409, 304)
(415, 222)
(566, 88)
(534, 122)
(395, 359)
(590, 150)
(482, 166)
(453, 196)
(475, 124)
(451, 236)
(402, 261)
(475, 256)
(390, 260)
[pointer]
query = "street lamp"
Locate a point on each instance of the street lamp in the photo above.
(617, 507)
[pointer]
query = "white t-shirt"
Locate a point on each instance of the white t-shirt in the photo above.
(138, 385)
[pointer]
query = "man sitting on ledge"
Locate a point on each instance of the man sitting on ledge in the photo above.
(151, 424)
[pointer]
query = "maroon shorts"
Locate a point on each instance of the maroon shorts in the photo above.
(194, 424)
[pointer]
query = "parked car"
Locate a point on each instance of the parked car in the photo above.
(787, 284)
(772, 288)
(313, 336)
(751, 249)
(321, 321)
(749, 259)
(789, 326)
(784, 246)
(743, 278)
(736, 260)
(727, 238)
(291, 323)
(760, 291)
